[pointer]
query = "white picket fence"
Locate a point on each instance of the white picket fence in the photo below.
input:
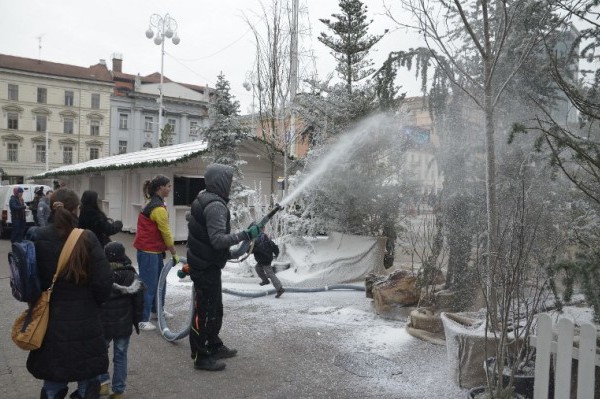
(564, 352)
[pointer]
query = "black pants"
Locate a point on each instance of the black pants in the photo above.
(208, 313)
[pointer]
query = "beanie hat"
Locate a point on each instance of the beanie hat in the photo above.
(115, 252)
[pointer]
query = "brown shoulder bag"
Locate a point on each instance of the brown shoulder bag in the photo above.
(29, 329)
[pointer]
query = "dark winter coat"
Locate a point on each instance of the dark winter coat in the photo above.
(17, 208)
(209, 226)
(92, 218)
(125, 306)
(74, 347)
(264, 249)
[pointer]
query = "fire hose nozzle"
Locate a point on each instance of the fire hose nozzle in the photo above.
(269, 215)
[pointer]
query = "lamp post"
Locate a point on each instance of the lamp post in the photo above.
(161, 28)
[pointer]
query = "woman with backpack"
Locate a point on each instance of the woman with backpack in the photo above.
(73, 348)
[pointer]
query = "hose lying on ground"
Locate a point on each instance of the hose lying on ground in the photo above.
(175, 335)
(256, 294)
(162, 323)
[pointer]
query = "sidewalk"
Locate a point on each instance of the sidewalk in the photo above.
(292, 347)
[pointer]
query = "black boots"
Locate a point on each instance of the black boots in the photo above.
(264, 282)
(208, 363)
(223, 352)
(279, 292)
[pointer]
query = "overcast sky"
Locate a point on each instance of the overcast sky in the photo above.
(214, 36)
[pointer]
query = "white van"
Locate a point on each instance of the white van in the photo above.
(5, 193)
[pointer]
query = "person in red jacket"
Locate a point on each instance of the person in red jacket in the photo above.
(152, 239)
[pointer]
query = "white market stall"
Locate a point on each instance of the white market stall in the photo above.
(118, 179)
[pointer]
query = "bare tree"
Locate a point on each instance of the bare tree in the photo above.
(271, 78)
(472, 44)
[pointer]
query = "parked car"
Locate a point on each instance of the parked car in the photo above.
(5, 194)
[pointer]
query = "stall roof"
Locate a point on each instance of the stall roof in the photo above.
(160, 156)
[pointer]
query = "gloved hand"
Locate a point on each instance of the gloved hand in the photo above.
(253, 231)
(175, 259)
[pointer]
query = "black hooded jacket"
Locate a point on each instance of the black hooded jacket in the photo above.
(264, 249)
(124, 308)
(209, 227)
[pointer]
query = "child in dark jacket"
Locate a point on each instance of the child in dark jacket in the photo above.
(264, 249)
(120, 314)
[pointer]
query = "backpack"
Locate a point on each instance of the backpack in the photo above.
(24, 280)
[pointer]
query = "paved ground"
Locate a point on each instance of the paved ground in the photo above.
(293, 347)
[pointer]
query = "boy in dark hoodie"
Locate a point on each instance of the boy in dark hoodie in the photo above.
(264, 249)
(120, 313)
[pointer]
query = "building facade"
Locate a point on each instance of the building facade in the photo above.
(135, 105)
(52, 114)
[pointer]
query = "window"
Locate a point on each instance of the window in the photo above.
(94, 153)
(13, 120)
(40, 123)
(95, 100)
(13, 92)
(185, 189)
(69, 96)
(40, 153)
(68, 155)
(42, 94)
(12, 152)
(173, 123)
(123, 118)
(122, 146)
(94, 128)
(148, 123)
(68, 126)
(193, 128)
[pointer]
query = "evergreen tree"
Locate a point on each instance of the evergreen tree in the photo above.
(350, 42)
(166, 136)
(226, 131)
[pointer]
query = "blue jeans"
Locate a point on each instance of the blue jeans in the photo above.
(119, 379)
(150, 266)
(53, 388)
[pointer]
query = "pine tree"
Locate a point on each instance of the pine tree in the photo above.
(350, 42)
(166, 136)
(226, 131)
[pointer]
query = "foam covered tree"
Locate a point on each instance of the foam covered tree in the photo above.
(225, 132)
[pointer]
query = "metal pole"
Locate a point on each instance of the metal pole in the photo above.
(47, 152)
(160, 88)
(293, 89)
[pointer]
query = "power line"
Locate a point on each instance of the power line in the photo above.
(219, 51)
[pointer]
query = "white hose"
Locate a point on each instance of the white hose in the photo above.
(162, 323)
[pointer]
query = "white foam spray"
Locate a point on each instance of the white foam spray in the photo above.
(346, 145)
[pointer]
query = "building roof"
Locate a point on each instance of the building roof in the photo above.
(153, 157)
(98, 72)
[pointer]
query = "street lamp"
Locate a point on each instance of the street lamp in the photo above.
(162, 27)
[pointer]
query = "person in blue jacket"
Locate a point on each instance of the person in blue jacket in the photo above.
(17, 215)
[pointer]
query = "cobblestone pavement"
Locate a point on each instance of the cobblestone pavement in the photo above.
(288, 348)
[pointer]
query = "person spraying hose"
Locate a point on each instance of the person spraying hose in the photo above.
(209, 242)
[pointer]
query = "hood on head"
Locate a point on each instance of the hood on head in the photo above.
(17, 190)
(218, 179)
